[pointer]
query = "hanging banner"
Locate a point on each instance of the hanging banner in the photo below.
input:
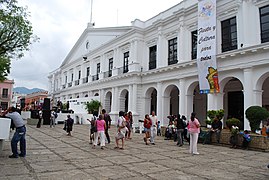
(206, 47)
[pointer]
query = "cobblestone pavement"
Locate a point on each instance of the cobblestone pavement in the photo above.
(53, 155)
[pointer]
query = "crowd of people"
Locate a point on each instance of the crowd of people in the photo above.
(179, 129)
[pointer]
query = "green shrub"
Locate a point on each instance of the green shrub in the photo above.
(232, 122)
(255, 114)
(208, 121)
(215, 113)
(92, 106)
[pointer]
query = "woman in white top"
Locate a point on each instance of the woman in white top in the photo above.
(121, 130)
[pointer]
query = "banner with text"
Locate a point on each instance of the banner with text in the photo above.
(206, 47)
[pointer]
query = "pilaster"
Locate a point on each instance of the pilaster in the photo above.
(248, 94)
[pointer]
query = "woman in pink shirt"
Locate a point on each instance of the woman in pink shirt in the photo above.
(194, 130)
(101, 126)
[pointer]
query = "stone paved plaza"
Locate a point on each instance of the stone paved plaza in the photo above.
(53, 155)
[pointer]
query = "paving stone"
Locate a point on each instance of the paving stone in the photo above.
(13, 169)
(50, 167)
(66, 175)
(146, 167)
(111, 172)
(173, 175)
(91, 163)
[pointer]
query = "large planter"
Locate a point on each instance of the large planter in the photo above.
(4, 131)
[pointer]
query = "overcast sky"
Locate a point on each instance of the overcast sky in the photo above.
(59, 24)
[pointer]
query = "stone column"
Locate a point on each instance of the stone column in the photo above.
(102, 96)
(134, 107)
(114, 105)
(214, 101)
(248, 94)
(162, 53)
(189, 105)
(182, 97)
(159, 102)
(257, 97)
(130, 98)
(166, 109)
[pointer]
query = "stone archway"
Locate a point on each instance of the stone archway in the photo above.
(200, 105)
(196, 102)
(108, 102)
(124, 100)
(233, 100)
(265, 94)
(171, 101)
(151, 100)
(262, 91)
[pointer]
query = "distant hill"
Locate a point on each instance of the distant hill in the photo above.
(24, 90)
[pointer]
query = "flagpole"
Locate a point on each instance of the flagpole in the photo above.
(91, 11)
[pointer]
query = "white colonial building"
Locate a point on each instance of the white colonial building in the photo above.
(152, 65)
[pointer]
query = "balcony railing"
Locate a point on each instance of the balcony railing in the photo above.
(77, 82)
(108, 74)
(95, 77)
(85, 80)
(125, 69)
(64, 86)
(70, 84)
(5, 96)
(152, 65)
(172, 61)
(194, 54)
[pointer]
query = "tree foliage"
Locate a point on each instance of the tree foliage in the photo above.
(256, 114)
(16, 34)
(92, 106)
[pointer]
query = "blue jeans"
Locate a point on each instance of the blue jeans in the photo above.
(19, 135)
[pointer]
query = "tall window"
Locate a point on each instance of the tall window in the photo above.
(172, 51)
(79, 74)
(88, 71)
(4, 105)
(152, 57)
(5, 93)
(264, 20)
(194, 44)
(72, 77)
(110, 67)
(65, 79)
(125, 62)
(229, 34)
(98, 68)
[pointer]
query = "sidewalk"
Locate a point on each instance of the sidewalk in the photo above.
(53, 155)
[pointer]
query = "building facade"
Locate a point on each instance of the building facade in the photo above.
(17, 100)
(6, 89)
(35, 100)
(151, 65)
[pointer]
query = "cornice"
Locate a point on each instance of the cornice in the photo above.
(152, 42)
(245, 51)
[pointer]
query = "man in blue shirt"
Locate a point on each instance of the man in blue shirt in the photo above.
(19, 134)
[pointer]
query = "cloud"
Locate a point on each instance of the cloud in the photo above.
(59, 24)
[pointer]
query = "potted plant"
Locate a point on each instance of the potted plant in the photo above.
(255, 114)
(234, 136)
(232, 122)
(92, 106)
(215, 113)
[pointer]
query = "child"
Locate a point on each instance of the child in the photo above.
(246, 139)
(92, 127)
(159, 128)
